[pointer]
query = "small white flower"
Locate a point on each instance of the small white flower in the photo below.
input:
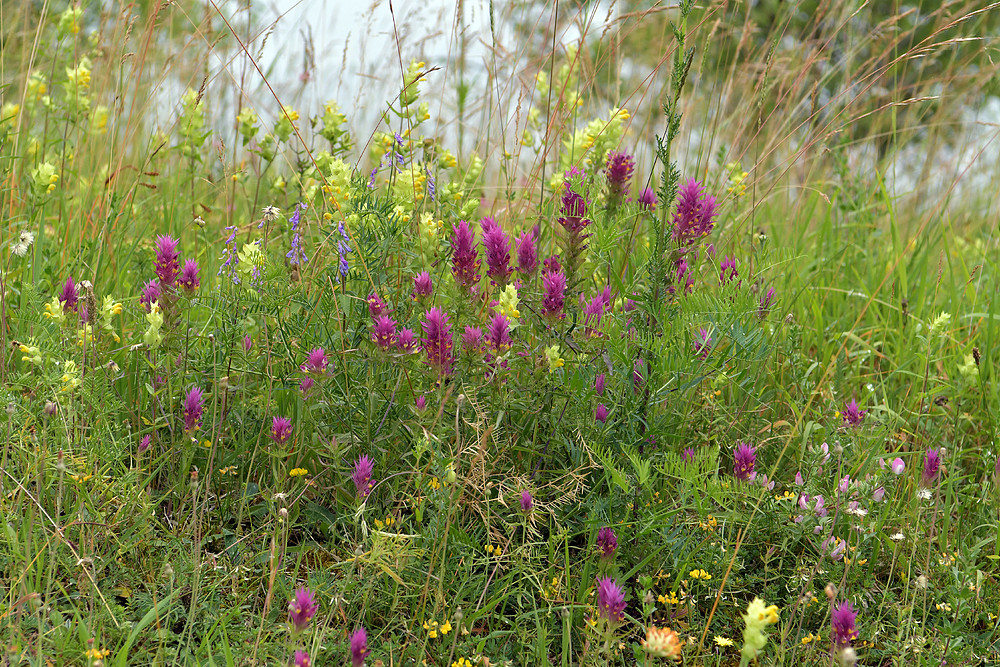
(19, 249)
(270, 213)
(858, 511)
(897, 537)
(27, 238)
(924, 494)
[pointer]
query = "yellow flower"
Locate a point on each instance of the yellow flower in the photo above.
(446, 628)
(32, 354)
(297, 472)
(723, 641)
(97, 654)
(461, 662)
(700, 574)
(552, 357)
(434, 483)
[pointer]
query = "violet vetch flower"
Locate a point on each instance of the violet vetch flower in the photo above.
(193, 406)
(437, 342)
(302, 659)
(189, 276)
(422, 285)
(932, 464)
(798, 480)
(167, 267)
(819, 508)
(472, 339)
(610, 600)
(384, 332)
(231, 256)
(281, 429)
(601, 414)
(695, 215)
(497, 247)
(359, 647)
(150, 293)
(703, 343)
(845, 484)
(607, 541)
(744, 460)
(852, 414)
(843, 620)
(247, 343)
(296, 255)
(618, 172)
(554, 292)
(527, 254)
(315, 363)
(362, 477)
(69, 295)
(302, 608)
(526, 502)
(599, 384)
(406, 341)
(647, 199)
(464, 256)
(343, 248)
(687, 455)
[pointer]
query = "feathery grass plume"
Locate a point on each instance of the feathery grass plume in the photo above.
(744, 459)
(281, 429)
(607, 541)
(193, 406)
(166, 265)
(464, 256)
(437, 342)
(362, 477)
(189, 276)
(610, 601)
(757, 618)
(359, 647)
(301, 609)
(384, 332)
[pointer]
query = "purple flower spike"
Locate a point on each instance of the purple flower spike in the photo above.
(744, 460)
(302, 608)
(932, 464)
(592, 314)
(69, 294)
(166, 267)
(527, 254)
(601, 414)
(765, 303)
(687, 455)
(728, 270)
(599, 384)
(362, 477)
(247, 343)
(618, 172)
(193, 409)
(498, 334)
(464, 256)
(359, 647)
(384, 332)
(843, 620)
(703, 343)
(421, 403)
(281, 429)
(144, 445)
(302, 659)
(695, 215)
(472, 339)
(610, 600)
(376, 306)
(150, 293)
(852, 414)
(647, 199)
(552, 264)
(189, 276)
(526, 502)
(407, 341)
(422, 285)
(437, 342)
(554, 289)
(316, 362)
(607, 541)
(497, 255)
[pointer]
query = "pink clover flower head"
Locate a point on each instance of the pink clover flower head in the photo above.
(384, 332)
(687, 455)
(302, 608)
(150, 293)
(281, 429)
(843, 620)
(472, 339)
(607, 541)
(359, 647)
(497, 247)
(166, 265)
(437, 342)
(362, 477)
(554, 293)
(852, 414)
(144, 445)
(376, 306)
(599, 384)
(695, 215)
(527, 254)
(601, 414)
(647, 199)
(703, 343)
(744, 460)
(464, 256)
(897, 466)
(315, 363)
(728, 270)
(592, 314)
(189, 276)
(932, 465)
(610, 600)
(193, 405)
(69, 295)
(302, 659)
(422, 285)
(527, 502)
(498, 334)
(407, 341)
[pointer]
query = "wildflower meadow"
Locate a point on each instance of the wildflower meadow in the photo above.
(564, 333)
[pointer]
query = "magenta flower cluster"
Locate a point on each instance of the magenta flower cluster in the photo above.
(437, 342)
(464, 256)
(695, 215)
(193, 407)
